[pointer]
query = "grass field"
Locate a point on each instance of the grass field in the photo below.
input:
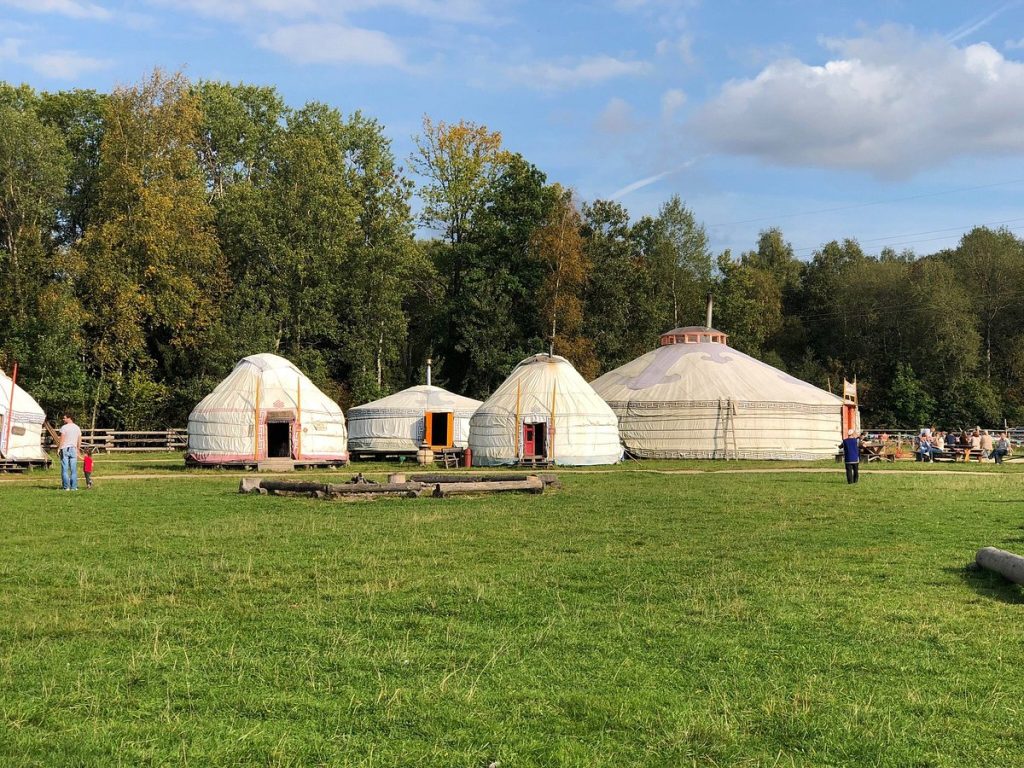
(630, 618)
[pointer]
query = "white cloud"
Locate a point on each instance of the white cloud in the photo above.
(334, 43)
(1014, 45)
(590, 71)
(672, 101)
(617, 118)
(465, 11)
(681, 46)
(890, 103)
(59, 65)
(65, 65)
(71, 8)
(9, 47)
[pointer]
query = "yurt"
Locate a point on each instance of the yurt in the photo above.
(544, 412)
(266, 409)
(402, 422)
(695, 397)
(21, 424)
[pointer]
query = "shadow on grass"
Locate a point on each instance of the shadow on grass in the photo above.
(989, 584)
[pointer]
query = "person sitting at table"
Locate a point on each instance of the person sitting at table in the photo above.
(976, 443)
(1002, 448)
(924, 448)
(965, 446)
(950, 441)
(987, 444)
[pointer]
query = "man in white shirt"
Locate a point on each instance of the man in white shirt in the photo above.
(70, 447)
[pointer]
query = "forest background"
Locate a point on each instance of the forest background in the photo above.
(153, 236)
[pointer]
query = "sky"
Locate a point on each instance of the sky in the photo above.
(897, 123)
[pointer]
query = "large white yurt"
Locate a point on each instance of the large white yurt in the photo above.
(697, 398)
(21, 424)
(265, 409)
(402, 422)
(544, 411)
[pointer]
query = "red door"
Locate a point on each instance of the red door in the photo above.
(529, 440)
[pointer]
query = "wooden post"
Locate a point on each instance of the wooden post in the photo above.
(298, 418)
(256, 425)
(551, 437)
(10, 412)
(518, 427)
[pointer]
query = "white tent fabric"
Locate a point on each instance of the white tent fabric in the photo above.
(706, 400)
(221, 428)
(545, 389)
(21, 428)
(395, 422)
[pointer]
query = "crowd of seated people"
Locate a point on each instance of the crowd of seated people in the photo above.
(978, 444)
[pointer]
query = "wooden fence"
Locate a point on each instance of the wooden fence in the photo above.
(121, 441)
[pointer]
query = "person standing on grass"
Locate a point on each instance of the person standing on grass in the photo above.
(851, 457)
(70, 447)
(87, 468)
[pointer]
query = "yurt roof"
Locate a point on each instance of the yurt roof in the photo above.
(267, 362)
(536, 378)
(279, 378)
(26, 409)
(702, 372)
(421, 398)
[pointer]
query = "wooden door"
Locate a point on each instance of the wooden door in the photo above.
(529, 439)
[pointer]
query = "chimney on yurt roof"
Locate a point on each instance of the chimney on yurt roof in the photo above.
(696, 334)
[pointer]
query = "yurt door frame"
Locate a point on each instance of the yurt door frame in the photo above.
(439, 429)
(535, 439)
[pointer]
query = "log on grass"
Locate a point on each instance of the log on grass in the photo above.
(370, 488)
(1005, 563)
(292, 486)
(447, 477)
(532, 484)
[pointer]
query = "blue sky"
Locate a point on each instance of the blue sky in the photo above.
(896, 123)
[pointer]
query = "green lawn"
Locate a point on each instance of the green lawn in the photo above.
(631, 618)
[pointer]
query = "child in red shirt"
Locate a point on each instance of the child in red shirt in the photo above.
(87, 468)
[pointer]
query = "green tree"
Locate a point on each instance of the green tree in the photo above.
(151, 274)
(749, 304)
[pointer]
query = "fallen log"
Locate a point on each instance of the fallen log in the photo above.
(292, 486)
(532, 484)
(433, 478)
(362, 488)
(1007, 564)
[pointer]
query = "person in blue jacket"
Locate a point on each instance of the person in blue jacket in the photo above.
(851, 456)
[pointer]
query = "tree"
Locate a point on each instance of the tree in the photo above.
(557, 244)
(686, 267)
(151, 273)
(910, 403)
(613, 320)
(33, 171)
(78, 116)
(990, 264)
(750, 304)
(239, 127)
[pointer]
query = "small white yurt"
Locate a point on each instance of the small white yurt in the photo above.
(21, 424)
(266, 409)
(544, 412)
(402, 422)
(697, 398)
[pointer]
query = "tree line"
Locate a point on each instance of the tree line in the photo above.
(152, 236)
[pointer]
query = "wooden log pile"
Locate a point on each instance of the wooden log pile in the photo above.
(439, 487)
